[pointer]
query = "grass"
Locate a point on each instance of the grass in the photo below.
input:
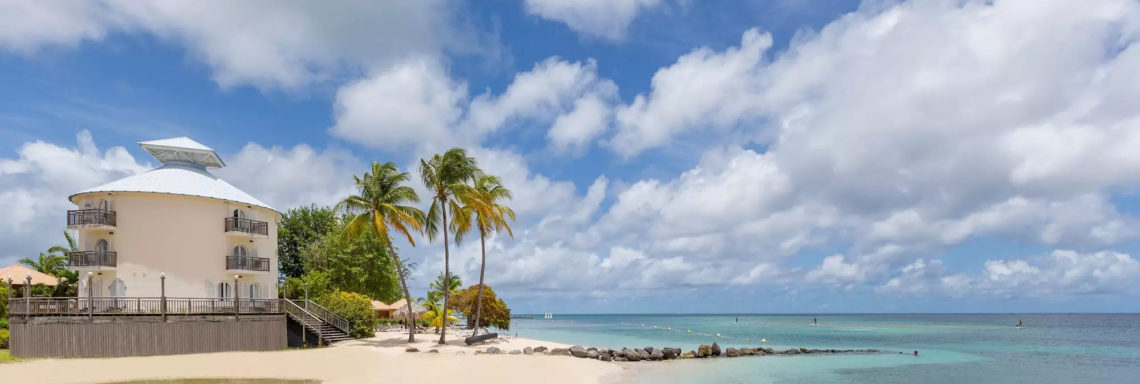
(6, 357)
(219, 381)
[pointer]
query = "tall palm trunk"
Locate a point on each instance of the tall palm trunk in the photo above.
(482, 271)
(446, 274)
(407, 294)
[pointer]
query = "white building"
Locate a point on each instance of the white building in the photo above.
(181, 220)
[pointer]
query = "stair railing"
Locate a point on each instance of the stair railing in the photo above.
(327, 316)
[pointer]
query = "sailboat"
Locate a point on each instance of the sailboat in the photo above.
(548, 316)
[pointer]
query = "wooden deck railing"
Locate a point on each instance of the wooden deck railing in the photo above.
(119, 306)
(260, 264)
(235, 224)
(92, 259)
(82, 217)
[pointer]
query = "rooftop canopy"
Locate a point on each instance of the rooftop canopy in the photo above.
(183, 150)
(19, 273)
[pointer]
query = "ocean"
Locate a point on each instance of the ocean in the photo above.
(953, 348)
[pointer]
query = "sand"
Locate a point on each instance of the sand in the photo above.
(381, 359)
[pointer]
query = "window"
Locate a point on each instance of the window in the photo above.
(101, 246)
(225, 290)
(239, 214)
(240, 251)
(254, 291)
(104, 205)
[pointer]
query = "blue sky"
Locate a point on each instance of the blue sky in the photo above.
(752, 156)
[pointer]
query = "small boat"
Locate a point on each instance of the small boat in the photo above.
(548, 316)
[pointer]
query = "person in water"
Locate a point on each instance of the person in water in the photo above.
(1019, 323)
(737, 319)
(915, 353)
(814, 321)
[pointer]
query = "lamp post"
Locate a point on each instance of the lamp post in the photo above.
(90, 296)
(162, 304)
(9, 302)
(237, 303)
(28, 296)
(306, 294)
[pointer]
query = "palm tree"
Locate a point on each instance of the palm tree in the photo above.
(487, 216)
(436, 287)
(446, 176)
(68, 279)
(434, 313)
(46, 263)
(379, 208)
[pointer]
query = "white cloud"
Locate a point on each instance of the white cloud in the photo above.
(573, 131)
(601, 18)
(702, 90)
(288, 178)
(35, 187)
(264, 43)
(543, 93)
(410, 104)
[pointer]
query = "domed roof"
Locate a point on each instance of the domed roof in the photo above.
(183, 173)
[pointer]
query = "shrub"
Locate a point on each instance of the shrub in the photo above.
(3, 323)
(495, 312)
(3, 339)
(355, 308)
(3, 301)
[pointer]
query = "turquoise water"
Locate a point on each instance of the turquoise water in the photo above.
(960, 348)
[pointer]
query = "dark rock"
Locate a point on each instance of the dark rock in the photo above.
(412, 349)
(872, 351)
(560, 352)
(657, 356)
(591, 349)
(669, 353)
(605, 358)
(648, 349)
(591, 354)
(619, 358)
(704, 351)
(804, 350)
(747, 351)
(792, 352)
(632, 356)
(731, 352)
(494, 351)
(539, 349)
(528, 351)
(578, 351)
(715, 349)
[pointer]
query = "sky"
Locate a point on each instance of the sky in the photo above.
(666, 156)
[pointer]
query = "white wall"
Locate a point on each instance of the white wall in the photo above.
(182, 236)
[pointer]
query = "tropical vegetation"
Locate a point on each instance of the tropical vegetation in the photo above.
(355, 308)
(380, 207)
(446, 175)
(54, 263)
(495, 311)
(487, 215)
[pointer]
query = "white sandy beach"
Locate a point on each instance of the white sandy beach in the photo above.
(381, 359)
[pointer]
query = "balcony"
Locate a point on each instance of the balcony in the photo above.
(89, 218)
(95, 259)
(245, 263)
(235, 225)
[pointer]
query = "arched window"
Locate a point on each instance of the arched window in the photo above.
(117, 288)
(102, 245)
(254, 291)
(240, 251)
(239, 213)
(104, 205)
(225, 290)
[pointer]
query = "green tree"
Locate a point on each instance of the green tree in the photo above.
(436, 287)
(297, 231)
(435, 314)
(446, 176)
(361, 263)
(495, 311)
(46, 263)
(68, 285)
(381, 207)
(355, 308)
(487, 215)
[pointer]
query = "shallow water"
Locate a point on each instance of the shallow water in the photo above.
(959, 348)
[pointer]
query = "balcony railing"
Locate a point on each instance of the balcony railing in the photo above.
(117, 306)
(259, 264)
(90, 217)
(236, 224)
(92, 259)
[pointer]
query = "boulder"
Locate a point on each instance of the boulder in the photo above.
(804, 350)
(768, 351)
(578, 351)
(411, 349)
(715, 349)
(669, 353)
(747, 351)
(560, 352)
(515, 352)
(592, 354)
(657, 356)
(731, 352)
(792, 351)
(539, 349)
(648, 349)
(632, 356)
(688, 355)
(605, 358)
(494, 351)
(704, 351)
(528, 351)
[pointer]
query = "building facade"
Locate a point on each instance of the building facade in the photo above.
(208, 238)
